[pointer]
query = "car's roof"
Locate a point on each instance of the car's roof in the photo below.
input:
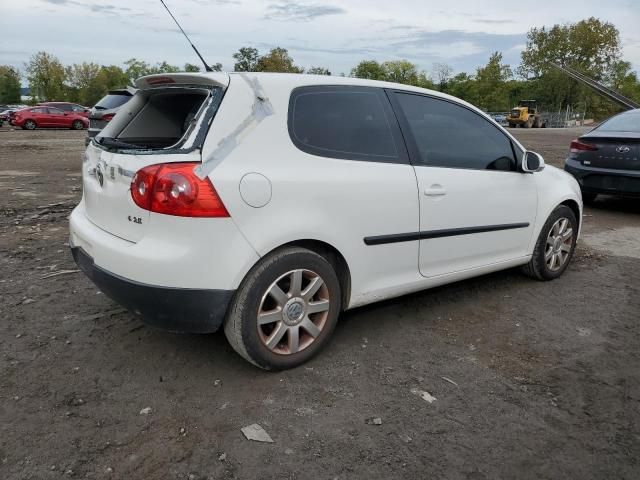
(293, 80)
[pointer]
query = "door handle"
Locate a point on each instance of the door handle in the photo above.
(435, 191)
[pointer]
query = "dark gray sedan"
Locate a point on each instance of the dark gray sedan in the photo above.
(607, 159)
(106, 108)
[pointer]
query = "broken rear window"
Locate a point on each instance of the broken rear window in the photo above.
(163, 118)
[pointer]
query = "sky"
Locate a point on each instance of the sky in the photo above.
(332, 34)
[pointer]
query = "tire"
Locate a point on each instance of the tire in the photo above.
(541, 266)
(588, 198)
(261, 344)
(77, 125)
(528, 123)
(29, 125)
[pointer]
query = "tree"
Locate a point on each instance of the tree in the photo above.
(278, 60)
(590, 46)
(400, 71)
(46, 77)
(136, 69)
(246, 60)
(216, 67)
(369, 69)
(491, 84)
(318, 71)
(463, 86)
(9, 84)
(190, 67)
(441, 75)
(79, 79)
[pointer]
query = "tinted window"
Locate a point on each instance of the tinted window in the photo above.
(64, 106)
(343, 122)
(449, 135)
(625, 122)
(77, 108)
(38, 110)
(112, 101)
(55, 111)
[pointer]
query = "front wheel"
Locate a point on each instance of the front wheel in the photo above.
(285, 310)
(29, 125)
(77, 125)
(555, 245)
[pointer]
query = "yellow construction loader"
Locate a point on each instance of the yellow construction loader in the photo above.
(526, 115)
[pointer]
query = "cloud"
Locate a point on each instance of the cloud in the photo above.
(291, 10)
(494, 21)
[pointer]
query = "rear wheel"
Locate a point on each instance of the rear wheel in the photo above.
(528, 123)
(29, 125)
(77, 125)
(285, 310)
(555, 245)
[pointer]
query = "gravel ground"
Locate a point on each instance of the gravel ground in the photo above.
(531, 380)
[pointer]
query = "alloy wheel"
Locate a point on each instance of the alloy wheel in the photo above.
(559, 243)
(293, 312)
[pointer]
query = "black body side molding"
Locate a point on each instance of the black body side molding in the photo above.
(449, 232)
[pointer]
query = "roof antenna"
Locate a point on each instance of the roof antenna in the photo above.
(206, 67)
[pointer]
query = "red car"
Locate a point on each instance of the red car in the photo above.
(67, 107)
(42, 117)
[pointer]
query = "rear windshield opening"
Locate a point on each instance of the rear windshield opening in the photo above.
(155, 119)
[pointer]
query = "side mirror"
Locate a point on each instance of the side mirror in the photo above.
(532, 162)
(65, 114)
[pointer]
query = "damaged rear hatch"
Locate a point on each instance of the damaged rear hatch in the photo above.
(166, 121)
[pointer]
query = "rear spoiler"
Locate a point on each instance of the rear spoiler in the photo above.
(215, 79)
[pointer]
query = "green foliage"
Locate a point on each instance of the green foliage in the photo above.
(246, 60)
(398, 71)
(46, 77)
(190, 67)
(277, 60)
(318, 71)
(369, 69)
(491, 89)
(9, 85)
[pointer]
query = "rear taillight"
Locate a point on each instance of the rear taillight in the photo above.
(577, 146)
(173, 189)
(108, 116)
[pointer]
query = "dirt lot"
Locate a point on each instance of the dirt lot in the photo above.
(532, 380)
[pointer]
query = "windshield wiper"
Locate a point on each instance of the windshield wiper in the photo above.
(112, 142)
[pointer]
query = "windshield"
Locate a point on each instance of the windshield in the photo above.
(112, 101)
(625, 122)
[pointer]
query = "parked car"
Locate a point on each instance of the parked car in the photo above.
(68, 107)
(269, 203)
(4, 116)
(102, 113)
(47, 117)
(607, 158)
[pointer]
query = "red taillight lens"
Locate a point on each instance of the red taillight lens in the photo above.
(173, 189)
(578, 146)
(108, 116)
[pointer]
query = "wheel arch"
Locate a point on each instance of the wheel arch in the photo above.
(575, 208)
(333, 256)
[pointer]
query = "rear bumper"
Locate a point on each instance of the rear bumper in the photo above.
(174, 309)
(604, 180)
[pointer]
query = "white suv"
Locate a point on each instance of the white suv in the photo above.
(269, 203)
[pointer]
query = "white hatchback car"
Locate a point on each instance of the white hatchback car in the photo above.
(269, 203)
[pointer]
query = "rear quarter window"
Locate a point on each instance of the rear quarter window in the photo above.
(113, 101)
(354, 123)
